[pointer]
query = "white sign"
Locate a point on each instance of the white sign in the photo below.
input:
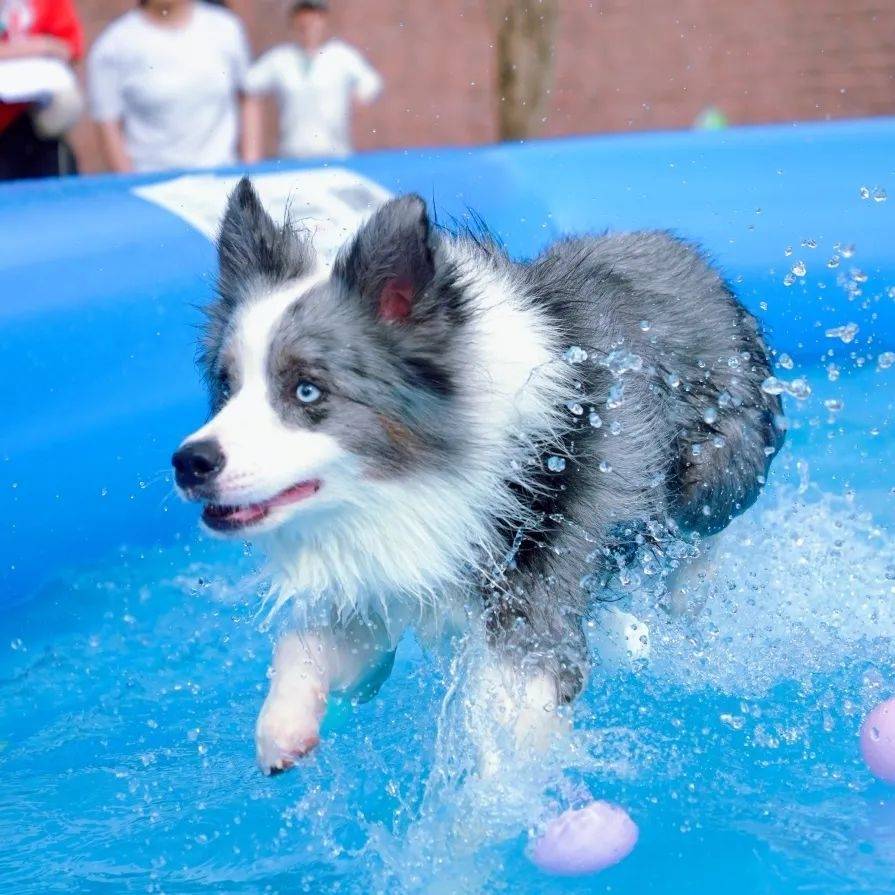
(330, 202)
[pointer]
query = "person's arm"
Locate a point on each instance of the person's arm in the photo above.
(114, 150)
(107, 104)
(36, 45)
(366, 80)
(260, 80)
(251, 141)
(250, 115)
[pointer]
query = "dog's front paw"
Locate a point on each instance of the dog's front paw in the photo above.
(287, 730)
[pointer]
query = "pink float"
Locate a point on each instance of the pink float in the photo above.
(585, 840)
(878, 741)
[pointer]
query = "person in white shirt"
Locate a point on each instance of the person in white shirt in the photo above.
(315, 81)
(165, 83)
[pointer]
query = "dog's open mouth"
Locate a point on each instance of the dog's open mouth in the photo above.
(222, 517)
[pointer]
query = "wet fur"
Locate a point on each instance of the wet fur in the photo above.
(454, 412)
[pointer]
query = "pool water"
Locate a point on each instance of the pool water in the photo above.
(129, 694)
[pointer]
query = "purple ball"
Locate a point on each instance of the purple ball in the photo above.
(585, 840)
(878, 740)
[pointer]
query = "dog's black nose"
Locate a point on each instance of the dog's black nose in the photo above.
(197, 463)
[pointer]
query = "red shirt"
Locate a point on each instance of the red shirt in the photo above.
(21, 18)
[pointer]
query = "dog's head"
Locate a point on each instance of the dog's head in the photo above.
(324, 383)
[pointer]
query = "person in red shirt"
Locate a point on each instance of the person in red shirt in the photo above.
(38, 29)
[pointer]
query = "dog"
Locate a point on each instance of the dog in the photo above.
(429, 429)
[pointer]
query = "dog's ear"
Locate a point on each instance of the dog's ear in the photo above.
(252, 247)
(389, 262)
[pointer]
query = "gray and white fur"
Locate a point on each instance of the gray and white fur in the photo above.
(429, 426)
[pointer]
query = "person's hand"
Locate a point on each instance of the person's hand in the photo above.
(53, 47)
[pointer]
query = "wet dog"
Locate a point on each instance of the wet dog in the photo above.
(429, 429)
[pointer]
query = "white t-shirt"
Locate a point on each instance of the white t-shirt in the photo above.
(314, 93)
(175, 90)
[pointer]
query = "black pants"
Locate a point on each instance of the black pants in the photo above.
(24, 154)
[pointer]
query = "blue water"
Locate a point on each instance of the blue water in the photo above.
(128, 695)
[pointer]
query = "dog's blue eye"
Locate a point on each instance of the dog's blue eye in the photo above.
(307, 392)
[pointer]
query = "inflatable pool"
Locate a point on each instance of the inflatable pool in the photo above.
(132, 656)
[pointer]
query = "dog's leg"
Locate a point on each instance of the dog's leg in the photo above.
(515, 714)
(308, 666)
(687, 591)
(537, 662)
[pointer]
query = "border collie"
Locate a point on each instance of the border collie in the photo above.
(428, 429)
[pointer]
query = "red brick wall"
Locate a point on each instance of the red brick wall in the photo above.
(620, 64)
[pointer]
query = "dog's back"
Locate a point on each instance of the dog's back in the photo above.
(686, 362)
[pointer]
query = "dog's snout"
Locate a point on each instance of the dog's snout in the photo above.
(197, 463)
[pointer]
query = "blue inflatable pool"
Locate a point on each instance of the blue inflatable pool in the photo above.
(132, 660)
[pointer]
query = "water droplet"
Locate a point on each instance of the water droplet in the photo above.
(804, 475)
(594, 419)
(864, 192)
(879, 195)
(832, 372)
(785, 361)
(696, 449)
(799, 269)
(710, 415)
(847, 250)
(773, 386)
(789, 279)
(575, 355)
(556, 464)
(834, 405)
(574, 408)
(605, 466)
(833, 262)
(644, 326)
(615, 427)
(615, 397)
(787, 251)
(809, 243)
(621, 361)
(734, 721)
(673, 379)
(799, 389)
(885, 360)
(846, 333)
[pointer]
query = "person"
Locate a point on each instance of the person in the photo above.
(315, 80)
(165, 84)
(39, 97)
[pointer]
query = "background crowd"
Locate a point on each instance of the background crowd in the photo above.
(173, 83)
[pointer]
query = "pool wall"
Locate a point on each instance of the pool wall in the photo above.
(100, 291)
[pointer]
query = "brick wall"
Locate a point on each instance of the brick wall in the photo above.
(621, 64)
